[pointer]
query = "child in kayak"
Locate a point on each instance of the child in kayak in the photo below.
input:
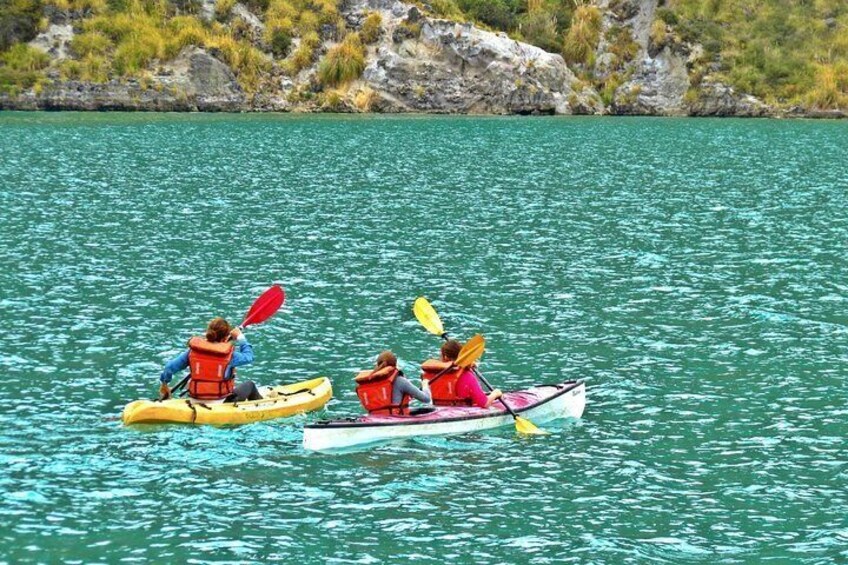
(384, 390)
(212, 362)
(402, 386)
(467, 387)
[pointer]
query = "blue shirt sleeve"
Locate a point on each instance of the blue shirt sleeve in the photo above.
(175, 365)
(242, 356)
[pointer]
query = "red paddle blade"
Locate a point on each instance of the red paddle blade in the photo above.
(265, 306)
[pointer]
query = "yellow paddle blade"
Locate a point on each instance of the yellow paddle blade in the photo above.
(525, 426)
(471, 351)
(427, 316)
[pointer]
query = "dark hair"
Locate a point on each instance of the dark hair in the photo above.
(451, 349)
(386, 359)
(218, 330)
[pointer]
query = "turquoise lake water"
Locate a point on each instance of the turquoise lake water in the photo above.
(693, 272)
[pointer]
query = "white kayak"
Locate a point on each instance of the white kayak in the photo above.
(541, 403)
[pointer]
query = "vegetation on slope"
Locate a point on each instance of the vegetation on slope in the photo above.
(783, 51)
(128, 38)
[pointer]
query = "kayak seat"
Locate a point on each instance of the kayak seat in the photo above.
(421, 410)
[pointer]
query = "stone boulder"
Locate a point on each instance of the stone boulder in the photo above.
(204, 81)
(432, 65)
(54, 40)
(657, 87)
(717, 99)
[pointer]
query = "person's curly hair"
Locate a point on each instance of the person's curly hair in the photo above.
(218, 330)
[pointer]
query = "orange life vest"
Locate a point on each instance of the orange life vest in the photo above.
(443, 385)
(374, 389)
(207, 363)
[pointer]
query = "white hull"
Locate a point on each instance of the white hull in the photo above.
(321, 438)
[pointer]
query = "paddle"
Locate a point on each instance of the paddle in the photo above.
(427, 317)
(262, 308)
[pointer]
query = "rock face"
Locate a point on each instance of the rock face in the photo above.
(452, 67)
(659, 76)
(203, 81)
(716, 99)
(658, 87)
(194, 81)
(419, 64)
(54, 40)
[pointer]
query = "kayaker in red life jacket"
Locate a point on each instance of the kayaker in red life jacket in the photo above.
(212, 362)
(467, 386)
(402, 386)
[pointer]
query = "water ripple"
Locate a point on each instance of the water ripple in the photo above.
(691, 270)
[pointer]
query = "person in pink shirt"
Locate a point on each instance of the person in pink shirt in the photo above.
(467, 386)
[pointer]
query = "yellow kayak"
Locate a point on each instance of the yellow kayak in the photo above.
(278, 402)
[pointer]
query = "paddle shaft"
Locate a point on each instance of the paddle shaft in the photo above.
(181, 384)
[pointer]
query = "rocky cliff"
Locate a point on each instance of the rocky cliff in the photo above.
(417, 63)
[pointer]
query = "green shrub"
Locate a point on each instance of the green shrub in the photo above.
(304, 54)
(407, 29)
(18, 21)
(371, 27)
(583, 35)
(178, 7)
(667, 16)
(80, 6)
(831, 87)
(21, 67)
(257, 5)
(447, 9)
(135, 53)
(223, 9)
(621, 43)
(659, 34)
(332, 100)
(609, 87)
(280, 43)
(182, 32)
(495, 13)
(22, 57)
(94, 69)
(88, 43)
(540, 29)
(342, 63)
(365, 99)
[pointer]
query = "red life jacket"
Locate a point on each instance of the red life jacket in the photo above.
(207, 363)
(443, 385)
(374, 389)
